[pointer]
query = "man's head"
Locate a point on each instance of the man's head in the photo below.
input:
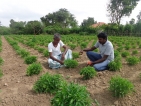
(102, 37)
(56, 38)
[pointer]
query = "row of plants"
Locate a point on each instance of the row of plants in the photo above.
(34, 67)
(1, 60)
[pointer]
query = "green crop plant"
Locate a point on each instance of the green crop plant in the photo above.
(70, 63)
(1, 74)
(140, 46)
(72, 95)
(127, 47)
(83, 45)
(72, 46)
(134, 52)
(23, 53)
(133, 60)
(120, 86)
(116, 53)
(119, 49)
(125, 54)
(75, 55)
(48, 83)
(88, 72)
(1, 61)
(46, 53)
(114, 65)
(30, 59)
(34, 68)
(40, 50)
(140, 58)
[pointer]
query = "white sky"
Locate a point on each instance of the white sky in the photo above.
(29, 10)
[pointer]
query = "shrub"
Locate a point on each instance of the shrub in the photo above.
(75, 55)
(127, 47)
(88, 72)
(48, 83)
(114, 65)
(30, 59)
(1, 61)
(40, 50)
(125, 54)
(72, 46)
(23, 53)
(34, 68)
(120, 86)
(46, 53)
(72, 95)
(1, 74)
(135, 52)
(70, 63)
(133, 60)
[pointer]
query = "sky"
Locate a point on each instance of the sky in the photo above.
(29, 10)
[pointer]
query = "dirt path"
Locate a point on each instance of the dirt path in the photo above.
(16, 87)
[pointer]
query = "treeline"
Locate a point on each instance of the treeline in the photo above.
(63, 22)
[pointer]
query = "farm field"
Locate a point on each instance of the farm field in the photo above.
(16, 86)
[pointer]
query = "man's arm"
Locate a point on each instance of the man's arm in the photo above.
(65, 50)
(87, 49)
(100, 60)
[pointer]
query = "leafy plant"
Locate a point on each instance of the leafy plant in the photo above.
(1, 61)
(48, 83)
(40, 50)
(72, 95)
(23, 53)
(120, 86)
(125, 54)
(46, 53)
(1, 74)
(30, 59)
(114, 65)
(34, 68)
(135, 52)
(75, 55)
(88, 72)
(71, 63)
(133, 60)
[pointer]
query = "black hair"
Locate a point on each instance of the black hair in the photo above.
(102, 35)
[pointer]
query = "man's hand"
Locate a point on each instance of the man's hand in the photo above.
(62, 57)
(61, 62)
(81, 52)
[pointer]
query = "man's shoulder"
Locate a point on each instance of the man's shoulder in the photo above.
(50, 44)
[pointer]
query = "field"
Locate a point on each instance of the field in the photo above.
(16, 86)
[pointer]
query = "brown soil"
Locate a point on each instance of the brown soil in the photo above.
(16, 87)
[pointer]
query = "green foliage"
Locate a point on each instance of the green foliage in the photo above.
(133, 60)
(114, 65)
(72, 46)
(72, 95)
(88, 72)
(134, 52)
(83, 45)
(30, 59)
(1, 61)
(46, 53)
(75, 55)
(120, 86)
(1, 74)
(71, 63)
(23, 53)
(40, 50)
(34, 68)
(127, 47)
(48, 83)
(125, 54)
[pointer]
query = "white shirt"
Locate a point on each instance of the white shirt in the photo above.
(55, 50)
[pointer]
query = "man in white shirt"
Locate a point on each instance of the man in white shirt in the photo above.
(100, 60)
(57, 58)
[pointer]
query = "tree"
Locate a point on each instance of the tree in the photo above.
(88, 22)
(117, 9)
(34, 27)
(17, 27)
(139, 17)
(62, 18)
(132, 21)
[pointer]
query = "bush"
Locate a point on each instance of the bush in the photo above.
(133, 60)
(72, 95)
(46, 53)
(70, 63)
(1, 74)
(114, 65)
(88, 72)
(120, 86)
(125, 54)
(48, 83)
(1, 61)
(75, 55)
(135, 52)
(30, 59)
(34, 68)
(40, 50)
